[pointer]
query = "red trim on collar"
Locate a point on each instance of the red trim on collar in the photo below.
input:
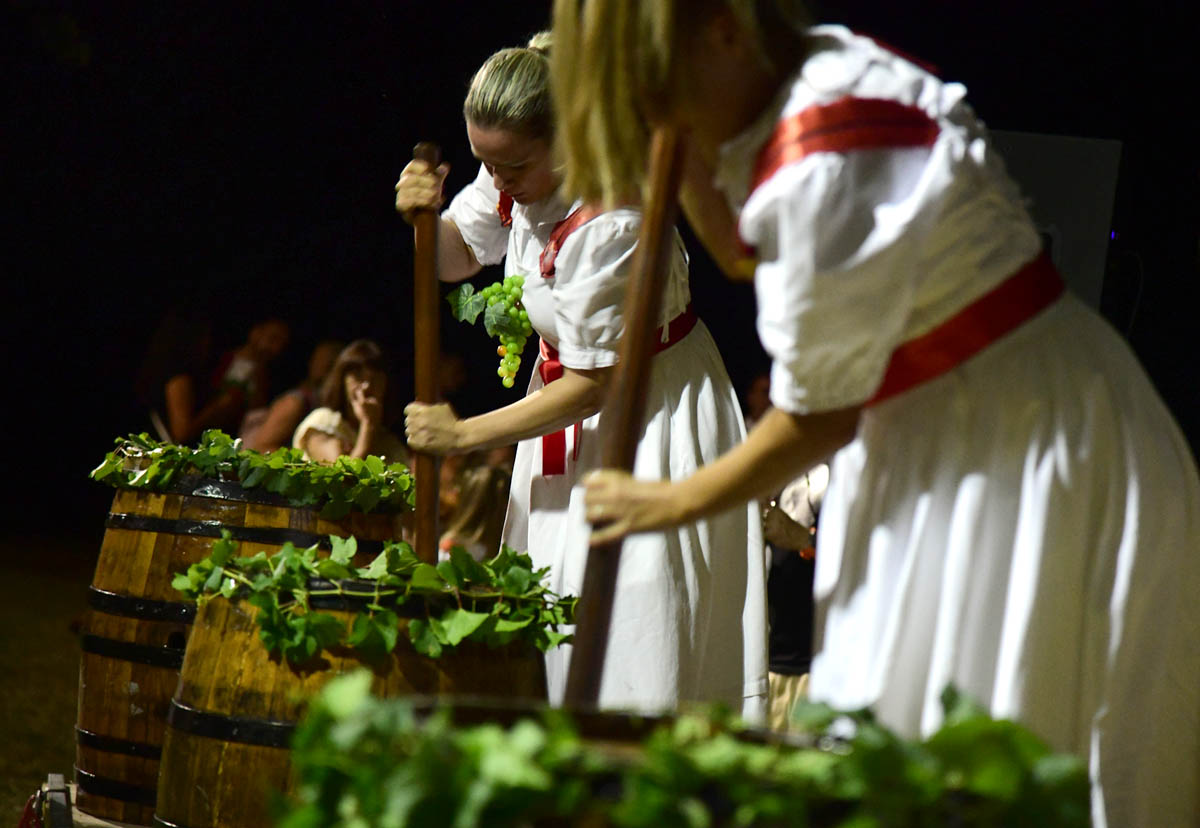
(504, 208)
(577, 218)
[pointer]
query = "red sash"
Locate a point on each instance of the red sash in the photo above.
(1001, 310)
(554, 446)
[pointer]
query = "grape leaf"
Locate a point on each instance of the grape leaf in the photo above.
(426, 577)
(457, 624)
(343, 550)
(496, 321)
(465, 303)
(423, 638)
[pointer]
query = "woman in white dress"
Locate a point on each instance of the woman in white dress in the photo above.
(689, 617)
(1011, 508)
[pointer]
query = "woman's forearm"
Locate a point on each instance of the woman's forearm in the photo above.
(571, 398)
(778, 449)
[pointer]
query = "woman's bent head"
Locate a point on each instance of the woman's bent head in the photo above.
(621, 67)
(510, 120)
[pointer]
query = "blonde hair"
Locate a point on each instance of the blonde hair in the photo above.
(615, 60)
(511, 91)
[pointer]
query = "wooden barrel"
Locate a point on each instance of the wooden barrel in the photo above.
(135, 631)
(232, 718)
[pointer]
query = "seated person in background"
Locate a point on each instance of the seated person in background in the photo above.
(351, 419)
(478, 520)
(266, 429)
(789, 527)
(241, 376)
(170, 381)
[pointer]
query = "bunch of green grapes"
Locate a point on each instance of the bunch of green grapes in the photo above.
(510, 323)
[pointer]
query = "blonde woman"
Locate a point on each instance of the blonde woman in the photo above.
(689, 618)
(1011, 508)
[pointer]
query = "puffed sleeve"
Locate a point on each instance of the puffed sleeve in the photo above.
(474, 212)
(591, 277)
(838, 238)
(324, 420)
(591, 272)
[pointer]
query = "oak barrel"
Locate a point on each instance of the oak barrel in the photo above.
(136, 628)
(232, 718)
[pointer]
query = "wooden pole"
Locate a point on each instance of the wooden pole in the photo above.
(425, 353)
(625, 406)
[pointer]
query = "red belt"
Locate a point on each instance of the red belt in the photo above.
(554, 446)
(1001, 310)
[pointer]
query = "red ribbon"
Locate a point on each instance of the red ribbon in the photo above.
(1006, 307)
(504, 208)
(554, 446)
(845, 125)
(577, 218)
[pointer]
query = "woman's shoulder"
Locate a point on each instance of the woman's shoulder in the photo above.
(322, 419)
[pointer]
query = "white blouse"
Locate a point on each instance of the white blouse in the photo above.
(882, 244)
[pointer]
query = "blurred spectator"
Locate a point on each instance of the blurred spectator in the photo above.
(789, 527)
(351, 419)
(478, 520)
(173, 380)
(268, 428)
(242, 373)
(757, 399)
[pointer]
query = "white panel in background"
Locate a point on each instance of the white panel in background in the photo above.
(1069, 183)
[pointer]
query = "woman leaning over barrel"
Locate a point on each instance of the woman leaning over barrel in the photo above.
(689, 618)
(1011, 508)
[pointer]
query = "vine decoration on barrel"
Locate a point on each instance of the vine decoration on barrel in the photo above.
(365, 762)
(493, 602)
(368, 484)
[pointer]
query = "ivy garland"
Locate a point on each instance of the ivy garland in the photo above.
(140, 462)
(492, 602)
(364, 762)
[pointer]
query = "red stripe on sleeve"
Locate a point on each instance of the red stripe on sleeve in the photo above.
(843, 126)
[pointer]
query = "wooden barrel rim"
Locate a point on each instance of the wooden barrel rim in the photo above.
(266, 535)
(248, 730)
(219, 489)
(132, 606)
(168, 657)
(96, 785)
(111, 744)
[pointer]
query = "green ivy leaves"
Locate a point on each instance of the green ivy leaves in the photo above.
(139, 462)
(494, 602)
(368, 763)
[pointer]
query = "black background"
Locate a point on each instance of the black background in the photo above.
(242, 156)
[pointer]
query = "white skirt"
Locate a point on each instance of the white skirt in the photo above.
(689, 617)
(1026, 527)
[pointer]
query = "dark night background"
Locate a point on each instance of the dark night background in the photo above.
(242, 156)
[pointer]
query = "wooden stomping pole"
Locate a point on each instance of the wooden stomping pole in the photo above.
(625, 405)
(425, 354)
